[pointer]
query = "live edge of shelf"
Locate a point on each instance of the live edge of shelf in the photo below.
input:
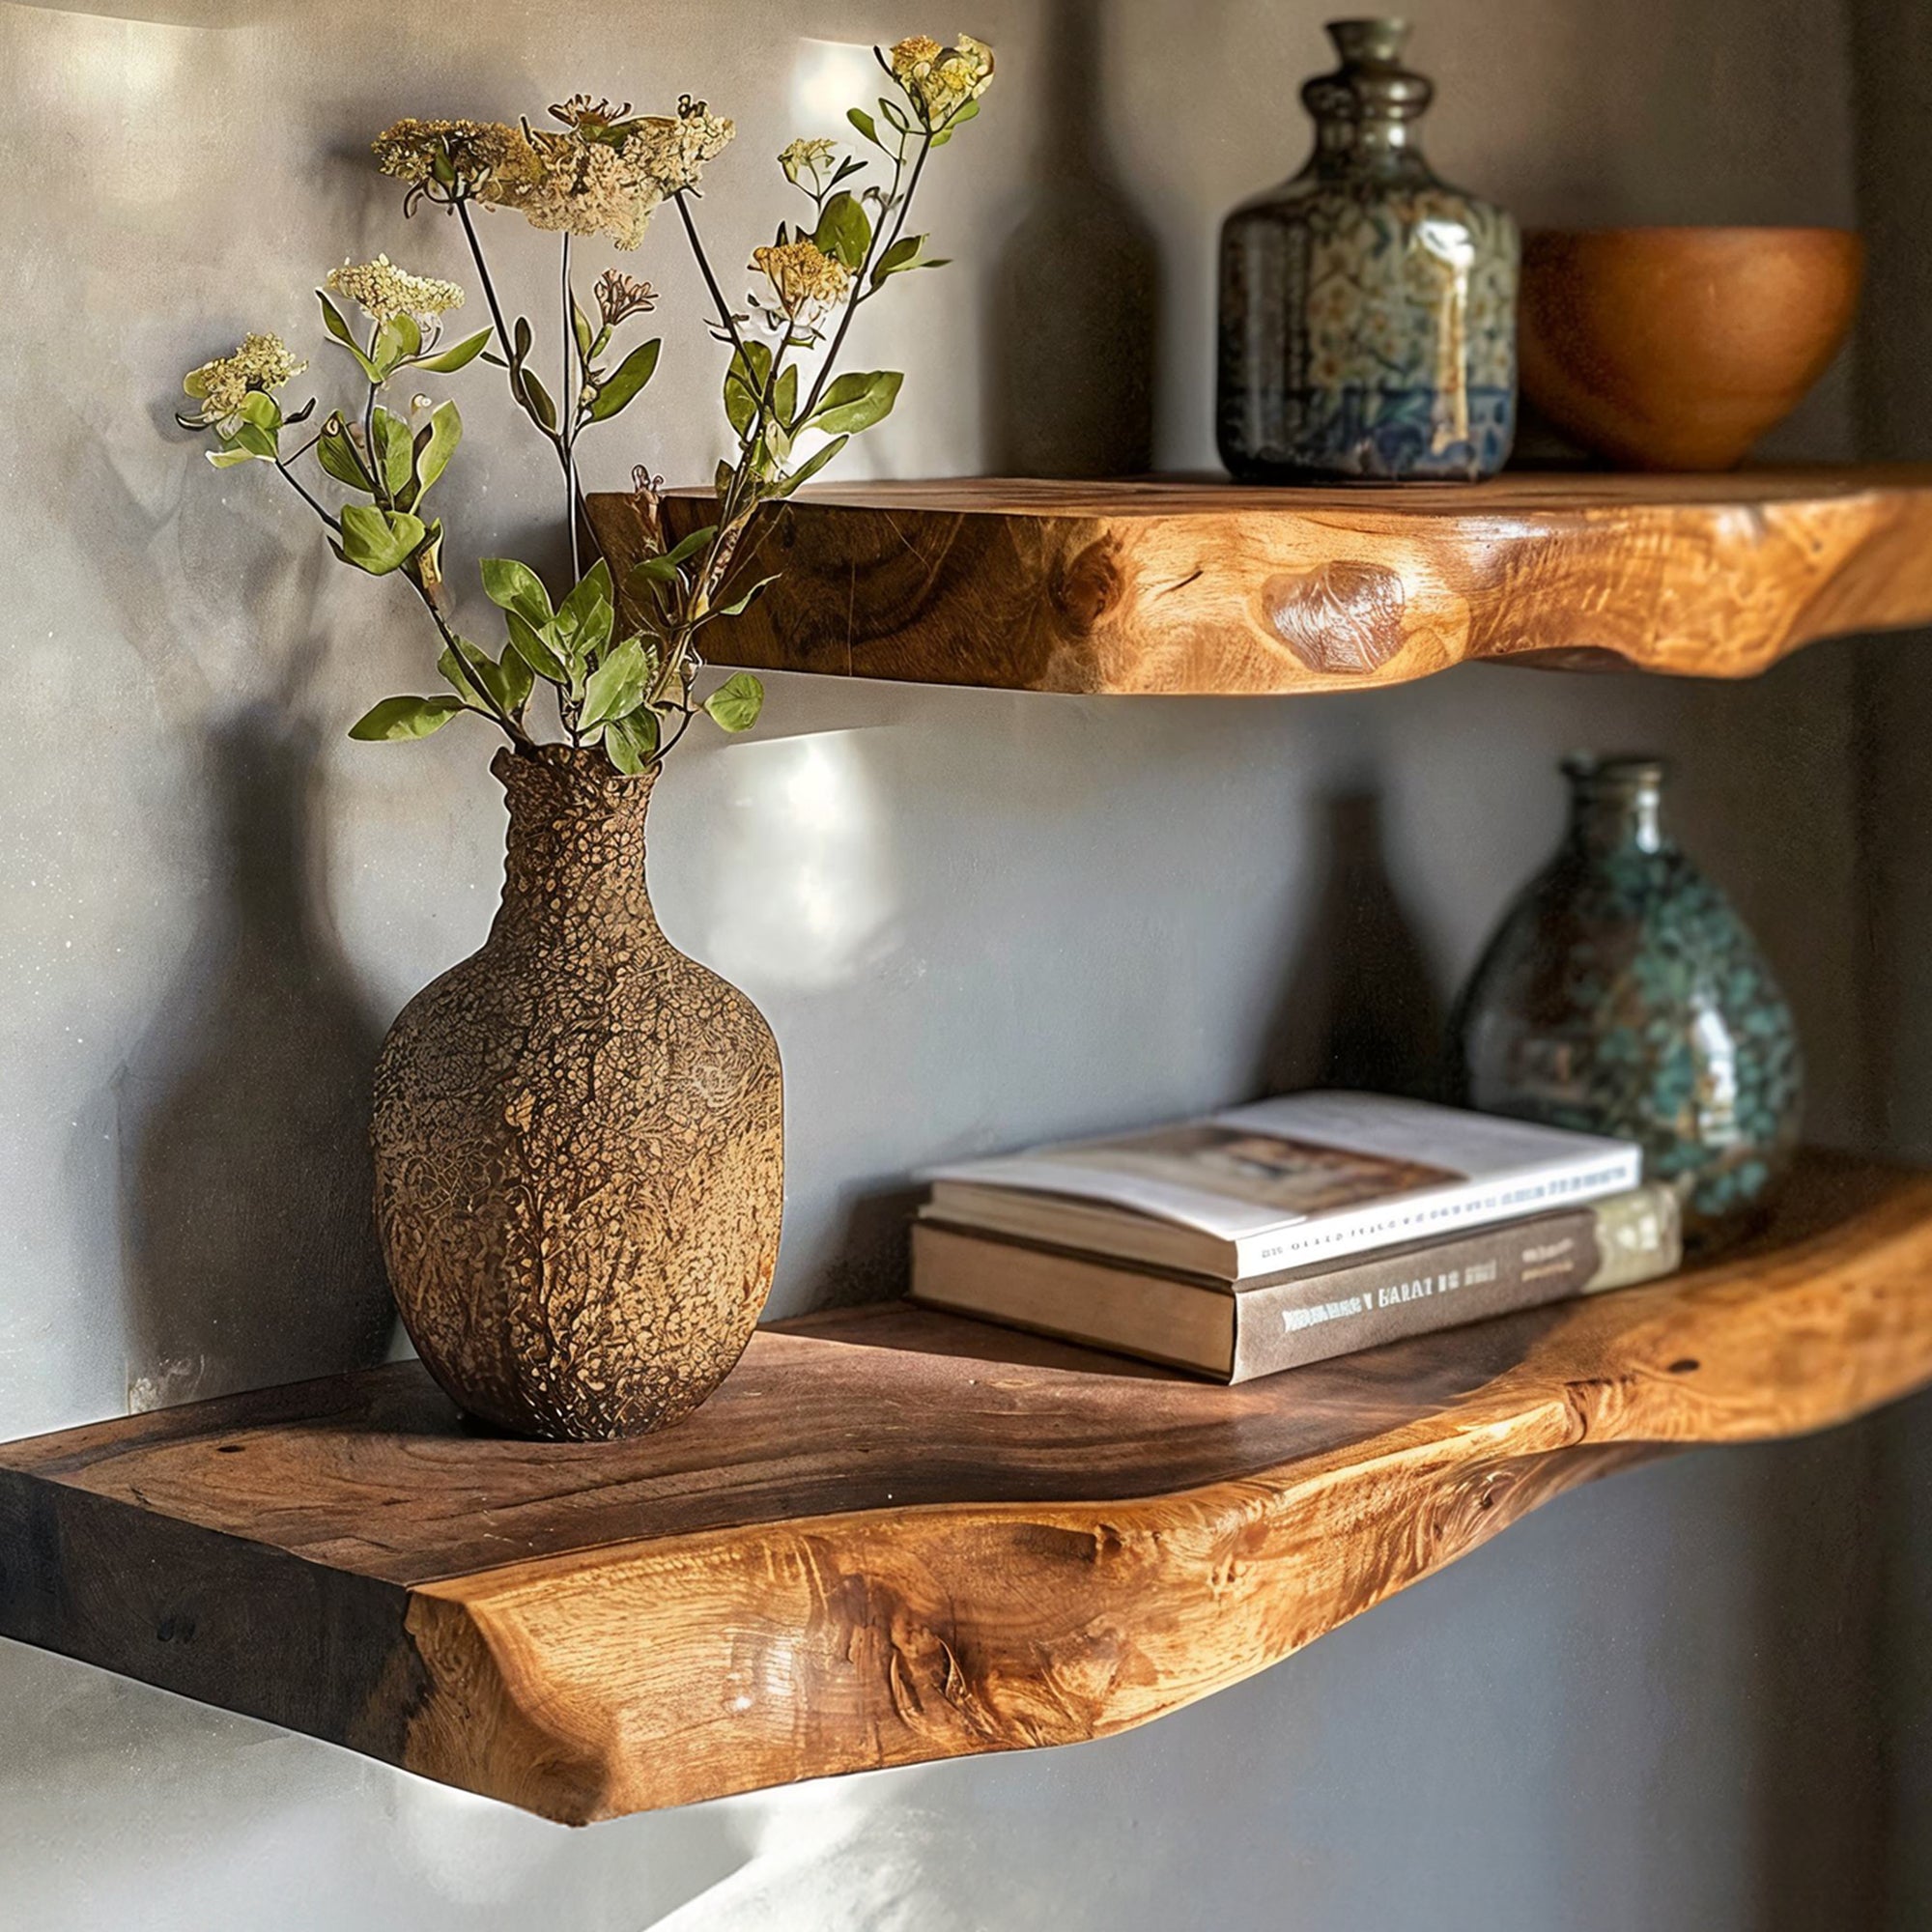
(895, 1536)
(1180, 586)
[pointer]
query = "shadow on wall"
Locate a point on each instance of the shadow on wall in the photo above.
(247, 1189)
(1072, 335)
(1359, 1006)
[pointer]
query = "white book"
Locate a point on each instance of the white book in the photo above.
(1305, 1177)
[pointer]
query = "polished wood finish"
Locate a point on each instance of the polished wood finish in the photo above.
(1212, 587)
(1678, 347)
(893, 1535)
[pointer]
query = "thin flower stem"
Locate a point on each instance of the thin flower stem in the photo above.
(489, 708)
(296, 483)
(518, 393)
(873, 253)
(725, 315)
(566, 416)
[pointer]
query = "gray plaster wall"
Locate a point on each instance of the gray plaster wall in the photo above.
(973, 918)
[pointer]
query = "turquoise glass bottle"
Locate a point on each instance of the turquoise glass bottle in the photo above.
(1622, 995)
(1368, 312)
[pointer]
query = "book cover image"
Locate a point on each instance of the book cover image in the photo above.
(1275, 1171)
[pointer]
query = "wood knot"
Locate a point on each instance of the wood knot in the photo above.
(1343, 618)
(1090, 585)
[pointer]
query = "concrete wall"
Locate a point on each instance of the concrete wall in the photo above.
(971, 918)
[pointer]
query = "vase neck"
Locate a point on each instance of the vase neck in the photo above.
(573, 861)
(1365, 112)
(1616, 805)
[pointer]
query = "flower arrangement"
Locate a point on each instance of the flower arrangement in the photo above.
(598, 172)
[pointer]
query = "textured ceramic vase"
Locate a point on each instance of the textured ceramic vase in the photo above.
(1368, 312)
(578, 1136)
(1622, 995)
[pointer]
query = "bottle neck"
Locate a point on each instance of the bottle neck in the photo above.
(1365, 112)
(1371, 149)
(574, 861)
(1616, 805)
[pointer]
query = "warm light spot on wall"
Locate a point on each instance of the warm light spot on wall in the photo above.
(807, 871)
(827, 77)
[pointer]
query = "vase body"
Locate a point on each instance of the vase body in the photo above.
(1368, 312)
(578, 1136)
(1622, 995)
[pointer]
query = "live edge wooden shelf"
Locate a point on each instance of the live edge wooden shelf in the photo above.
(895, 1536)
(1201, 587)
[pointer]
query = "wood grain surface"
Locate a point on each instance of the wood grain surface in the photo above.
(893, 1535)
(1172, 586)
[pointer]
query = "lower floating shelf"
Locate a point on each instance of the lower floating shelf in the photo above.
(895, 1536)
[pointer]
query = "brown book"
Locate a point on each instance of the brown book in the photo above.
(1232, 1331)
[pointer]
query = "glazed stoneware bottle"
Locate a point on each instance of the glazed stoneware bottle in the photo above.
(578, 1136)
(1368, 312)
(1622, 995)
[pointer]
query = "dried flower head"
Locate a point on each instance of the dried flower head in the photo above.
(672, 149)
(805, 278)
(620, 295)
(940, 81)
(262, 364)
(589, 186)
(588, 116)
(385, 290)
(809, 164)
(445, 159)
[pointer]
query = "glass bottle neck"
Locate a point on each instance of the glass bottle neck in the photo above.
(1371, 150)
(1616, 806)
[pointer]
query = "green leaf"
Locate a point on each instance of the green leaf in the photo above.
(585, 618)
(339, 458)
(616, 685)
(397, 719)
(735, 704)
(508, 683)
(686, 548)
(396, 455)
(263, 411)
(331, 318)
(745, 384)
(902, 255)
(511, 585)
(739, 606)
(376, 540)
(245, 443)
(452, 360)
(631, 742)
(812, 466)
(865, 125)
(446, 432)
(540, 402)
(895, 116)
(531, 643)
(520, 339)
(662, 568)
(398, 338)
(625, 381)
(784, 397)
(844, 230)
(579, 326)
(858, 401)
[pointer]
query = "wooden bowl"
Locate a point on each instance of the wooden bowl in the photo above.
(1678, 347)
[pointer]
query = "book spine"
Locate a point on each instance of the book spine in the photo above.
(1611, 1243)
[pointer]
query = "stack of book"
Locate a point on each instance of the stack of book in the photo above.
(1290, 1231)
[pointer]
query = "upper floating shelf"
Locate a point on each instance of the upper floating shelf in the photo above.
(1208, 588)
(893, 1535)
